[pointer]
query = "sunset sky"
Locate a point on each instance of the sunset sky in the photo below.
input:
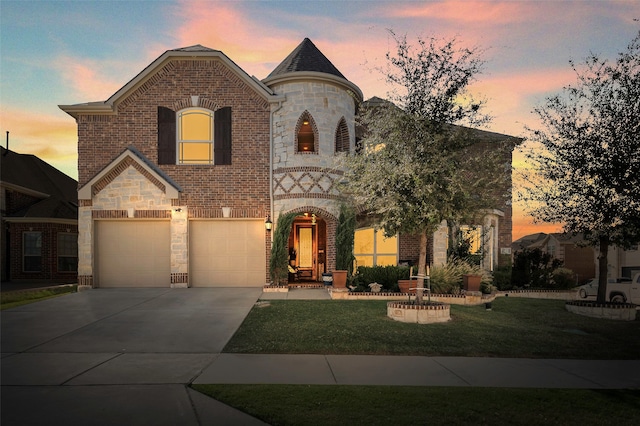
(67, 52)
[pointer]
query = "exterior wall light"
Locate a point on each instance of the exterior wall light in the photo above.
(268, 224)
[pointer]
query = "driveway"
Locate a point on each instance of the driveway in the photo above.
(110, 356)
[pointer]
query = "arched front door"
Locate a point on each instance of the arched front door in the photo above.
(307, 247)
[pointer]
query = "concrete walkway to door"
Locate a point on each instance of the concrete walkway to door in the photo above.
(118, 356)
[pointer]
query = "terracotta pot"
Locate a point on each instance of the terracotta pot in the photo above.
(405, 285)
(471, 282)
(339, 279)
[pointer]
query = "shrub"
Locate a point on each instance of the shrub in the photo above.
(534, 268)
(502, 278)
(447, 279)
(388, 276)
(563, 279)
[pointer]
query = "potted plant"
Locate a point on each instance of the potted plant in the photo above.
(345, 232)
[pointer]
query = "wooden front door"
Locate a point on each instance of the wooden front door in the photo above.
(306, 246)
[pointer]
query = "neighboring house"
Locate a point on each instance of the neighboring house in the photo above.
(180, 169)
(565, 247)
(39, 225)
(621, 263)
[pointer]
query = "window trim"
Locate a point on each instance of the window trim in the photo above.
(306, 116)
(180, 142)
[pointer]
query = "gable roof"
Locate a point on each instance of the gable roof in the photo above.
(28, 174)
(130, 156)
(191, 52)
(306, 57)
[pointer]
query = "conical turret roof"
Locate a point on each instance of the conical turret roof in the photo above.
(306, 57)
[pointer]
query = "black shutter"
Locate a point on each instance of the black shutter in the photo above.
(222, 136)
(166, 136)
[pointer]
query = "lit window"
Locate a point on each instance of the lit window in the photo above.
(472, 235)
(195, 136)
(306, 136)
(67, 252)
(372, 248)
(32, 252)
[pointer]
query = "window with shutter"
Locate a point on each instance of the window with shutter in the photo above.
(166, 136)
(195, 136)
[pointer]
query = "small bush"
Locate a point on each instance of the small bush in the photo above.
(388, 276)
(447, 279)
(563, 279)
(502, 278)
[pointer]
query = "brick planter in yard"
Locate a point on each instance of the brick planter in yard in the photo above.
(613, 311)
(424, 313)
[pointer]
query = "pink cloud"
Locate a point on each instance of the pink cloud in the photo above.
(483, 12)
(51, 137)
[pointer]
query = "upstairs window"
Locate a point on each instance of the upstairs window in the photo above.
(195, 136)
(342, 137)
(306, 134)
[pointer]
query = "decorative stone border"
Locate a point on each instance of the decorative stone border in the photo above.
(275, 289)
(410, 312)
(469, 299)
(612, 311)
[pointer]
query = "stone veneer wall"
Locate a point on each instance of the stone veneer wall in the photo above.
(307, 181)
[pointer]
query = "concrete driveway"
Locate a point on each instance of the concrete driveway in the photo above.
(118, 356)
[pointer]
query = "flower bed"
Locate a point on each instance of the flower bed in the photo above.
(613, 311)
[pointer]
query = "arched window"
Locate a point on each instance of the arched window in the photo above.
(195, 136)
(306, 133)
(342, 137)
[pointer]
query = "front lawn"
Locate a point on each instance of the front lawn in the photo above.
(19, 298)
(521, 328)
(405, 405)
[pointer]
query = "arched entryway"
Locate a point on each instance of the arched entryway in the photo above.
(311, 251)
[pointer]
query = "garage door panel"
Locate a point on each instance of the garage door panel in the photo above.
(133, 254)
(227, 253)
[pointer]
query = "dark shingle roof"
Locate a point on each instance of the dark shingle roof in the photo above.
(30, 172)
(306, 57)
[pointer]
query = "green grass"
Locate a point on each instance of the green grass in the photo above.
(19, 298)
(522, 328)
(387, 405)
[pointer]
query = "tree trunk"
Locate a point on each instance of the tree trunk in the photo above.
(422, 266)
(603, 268)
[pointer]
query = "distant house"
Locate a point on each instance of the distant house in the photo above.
(39, 225)
(564, 247)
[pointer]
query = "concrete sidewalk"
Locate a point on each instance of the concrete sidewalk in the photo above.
(421, 371)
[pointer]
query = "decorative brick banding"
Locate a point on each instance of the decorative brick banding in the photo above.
(410, 312)
(109, 214)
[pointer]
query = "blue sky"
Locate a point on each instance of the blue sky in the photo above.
(66, 52)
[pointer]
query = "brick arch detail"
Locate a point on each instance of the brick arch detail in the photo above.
(316, 135)
(331, 223)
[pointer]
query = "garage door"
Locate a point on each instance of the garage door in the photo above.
(133, 253)
(227, 253)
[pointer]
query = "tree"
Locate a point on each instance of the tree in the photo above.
(279, 261)
(345, 234)
(414, 167)
(590, 156)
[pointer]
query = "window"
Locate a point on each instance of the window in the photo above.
(194, 136)
(32, 252)
(67, 252)
(306, 134)
(342, 137)
(472, 235)
(372, 248)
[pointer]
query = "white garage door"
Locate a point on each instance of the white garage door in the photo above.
(227, 253)
(133, 253)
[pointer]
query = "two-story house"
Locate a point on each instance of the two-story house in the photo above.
(181, 168)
